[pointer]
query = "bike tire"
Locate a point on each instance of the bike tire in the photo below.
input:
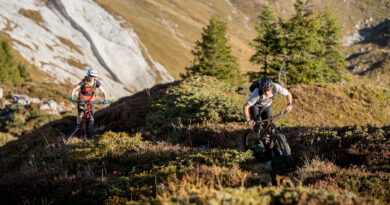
(248, 140)
(91, 128)
(284, 144)
(85, 128)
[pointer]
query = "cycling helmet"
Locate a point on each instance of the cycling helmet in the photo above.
(92, 72)
(265, 83)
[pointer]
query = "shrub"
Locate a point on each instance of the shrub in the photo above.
(196, 99)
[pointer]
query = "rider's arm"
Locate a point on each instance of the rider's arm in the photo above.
(75, 89)
(104, 92)
(246, 114)
(289, 102)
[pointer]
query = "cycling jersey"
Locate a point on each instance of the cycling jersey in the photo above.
(88, 92)
(263, 100)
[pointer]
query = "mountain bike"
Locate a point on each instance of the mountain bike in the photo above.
(269, 142)
(87, 120)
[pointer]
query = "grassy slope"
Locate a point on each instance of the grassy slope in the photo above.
(116, 167)
(169, 29)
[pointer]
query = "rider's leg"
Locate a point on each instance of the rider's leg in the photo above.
(254, 113)
(92, 111)
(80, 111)
(266, 112)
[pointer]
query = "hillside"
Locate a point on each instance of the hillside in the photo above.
(161, 141)
(169, 29)
(339, 159)
(164, 33)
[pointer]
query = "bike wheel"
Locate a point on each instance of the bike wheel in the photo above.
(248, 140)
(91, 128)
(85, 129)
(284, 145)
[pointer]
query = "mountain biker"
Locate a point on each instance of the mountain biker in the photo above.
(87, 88)
(258, 105)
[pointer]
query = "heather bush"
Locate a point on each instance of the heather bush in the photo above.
(196, 99)
(17, 119)
(258, 195)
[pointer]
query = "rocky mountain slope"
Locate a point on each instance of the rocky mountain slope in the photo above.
(64, 38)
(136, 44)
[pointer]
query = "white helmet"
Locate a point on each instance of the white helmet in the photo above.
(92, 72)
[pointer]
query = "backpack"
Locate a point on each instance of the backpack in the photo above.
(254, 85)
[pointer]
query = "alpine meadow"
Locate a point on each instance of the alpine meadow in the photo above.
(150, 102)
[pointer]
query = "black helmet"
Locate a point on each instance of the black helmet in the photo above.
(265, 83)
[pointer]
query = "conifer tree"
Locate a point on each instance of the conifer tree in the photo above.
(266, 44)
(212, 55)
(9, 69)
(330, 32)
(306, 45)
(302, 45)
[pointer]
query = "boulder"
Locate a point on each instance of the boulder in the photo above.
(24, 99)
(44, 107)
(52, 104)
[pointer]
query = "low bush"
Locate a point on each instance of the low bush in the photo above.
(18, 119)
(259, 195)
(197, 99)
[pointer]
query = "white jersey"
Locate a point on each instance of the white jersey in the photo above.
(264, 100)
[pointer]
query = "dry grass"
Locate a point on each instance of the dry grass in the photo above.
(169, 29)
(5, 138)
(70, 45)
(76, 63)
(33, 15)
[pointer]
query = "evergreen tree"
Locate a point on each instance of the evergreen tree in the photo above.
(212, 55)
(9, 71)
(267, 45)
(330, 32)
(302, 44)
(307, 46)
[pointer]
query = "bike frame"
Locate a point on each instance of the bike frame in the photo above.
(87, 116)
(270, 123)
(269, 127)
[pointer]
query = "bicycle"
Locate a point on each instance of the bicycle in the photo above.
(87, 121)
(269, 142)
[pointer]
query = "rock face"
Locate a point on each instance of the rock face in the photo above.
(66, 37)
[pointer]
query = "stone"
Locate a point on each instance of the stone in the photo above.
(44, 107)
(52, 104)
(34, 100)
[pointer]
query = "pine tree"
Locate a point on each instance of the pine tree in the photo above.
(9, 72)
(302, 44)
(266, 44)
(330, 32)
(212, 55)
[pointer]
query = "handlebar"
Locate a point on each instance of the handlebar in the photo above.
(93, 102)
(273, 117)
